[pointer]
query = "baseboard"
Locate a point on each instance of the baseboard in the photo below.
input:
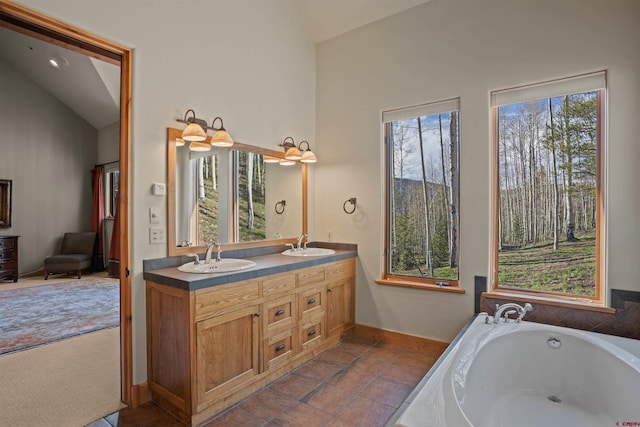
(403, 340)
(140, 394)
(36, 273)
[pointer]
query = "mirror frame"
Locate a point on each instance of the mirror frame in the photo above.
(172, 248)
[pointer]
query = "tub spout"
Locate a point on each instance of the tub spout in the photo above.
(505, 310)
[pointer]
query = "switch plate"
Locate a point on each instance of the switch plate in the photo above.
(154, 216)
(157, 235)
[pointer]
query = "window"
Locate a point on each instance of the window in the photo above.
(111, 184)
(548, 209)
(422, 174)
(251, 196)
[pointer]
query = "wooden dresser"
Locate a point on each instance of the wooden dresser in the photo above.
(9, 257)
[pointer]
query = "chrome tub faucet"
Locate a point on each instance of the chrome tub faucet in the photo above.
(505, 310)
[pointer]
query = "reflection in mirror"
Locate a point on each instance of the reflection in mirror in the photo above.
(230, 196)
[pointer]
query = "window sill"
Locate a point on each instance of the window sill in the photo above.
(420, 285)
(578, 304)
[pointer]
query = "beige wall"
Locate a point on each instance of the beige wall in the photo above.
(467, 48)
(247, 61)
(48, 151)
(251, 63)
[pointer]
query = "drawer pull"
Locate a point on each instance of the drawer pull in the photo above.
(280, 312)
(257, 314)
(280, 347)
(311, 300)
(311, 332)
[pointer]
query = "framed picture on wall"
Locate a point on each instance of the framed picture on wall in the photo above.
(5, 203)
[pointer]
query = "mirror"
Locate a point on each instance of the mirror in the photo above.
(209, 198)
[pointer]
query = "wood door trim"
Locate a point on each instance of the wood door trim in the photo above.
(43, 27)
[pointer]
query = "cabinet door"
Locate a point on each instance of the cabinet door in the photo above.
(340, 305)
(226, 354)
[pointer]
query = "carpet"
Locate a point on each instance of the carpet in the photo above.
(31, 317)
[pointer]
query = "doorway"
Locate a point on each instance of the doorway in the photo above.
(34, 24)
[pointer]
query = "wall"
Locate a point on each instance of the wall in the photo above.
(466, 48)
(109, 143)
(48, 151)
(249, 62)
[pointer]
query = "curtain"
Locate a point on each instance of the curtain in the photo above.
(97, 213)
(114, 250)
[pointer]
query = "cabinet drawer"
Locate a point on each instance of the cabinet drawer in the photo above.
(280, 283)
(279, 314)
(210, 302)
(309, 276)
(8, 265)
(341, 269)
(311, 333)
(311, 301)
(278, 348)
(7, 243)
(7, 255)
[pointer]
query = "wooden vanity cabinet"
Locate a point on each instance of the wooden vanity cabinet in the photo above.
(207, 349)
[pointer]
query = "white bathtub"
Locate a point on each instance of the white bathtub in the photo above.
(530, 374)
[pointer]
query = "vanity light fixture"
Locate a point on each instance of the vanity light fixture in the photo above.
(221, 138)
(199, 146)
(270, 159)
(196, 128)
(286, 162)
(291, 150)
(307, 155)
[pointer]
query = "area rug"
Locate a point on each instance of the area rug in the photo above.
(30, 317)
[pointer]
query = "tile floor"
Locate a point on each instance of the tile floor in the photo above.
(355, 383)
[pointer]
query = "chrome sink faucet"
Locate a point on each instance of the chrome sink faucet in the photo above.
(207, 258)
(196, 258)
(511, 308)
(303, 236)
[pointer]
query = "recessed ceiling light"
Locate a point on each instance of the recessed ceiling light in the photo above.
(58, 60)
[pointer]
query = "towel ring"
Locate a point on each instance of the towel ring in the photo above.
(353, 202)
(280, 207)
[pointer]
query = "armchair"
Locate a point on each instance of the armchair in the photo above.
(75, 256)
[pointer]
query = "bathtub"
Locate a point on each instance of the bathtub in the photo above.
(529, 374)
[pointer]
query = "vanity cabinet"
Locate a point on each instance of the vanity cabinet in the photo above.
(209, 348)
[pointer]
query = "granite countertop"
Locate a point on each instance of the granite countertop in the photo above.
(165, 272)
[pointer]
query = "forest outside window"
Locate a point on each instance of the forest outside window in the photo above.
(548, 210)
(422, 145)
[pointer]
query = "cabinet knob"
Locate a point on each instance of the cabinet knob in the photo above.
(257, 315)
(280, 312)
(311, 300)
(311, 332)
(280, 347)
(329, 290)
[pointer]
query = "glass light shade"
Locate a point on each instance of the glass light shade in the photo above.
(221, 139)
(199, 146)
(193, 132)
(179, 142)
(285, 162)
(293, 154)
(308, 157)
(270, 159)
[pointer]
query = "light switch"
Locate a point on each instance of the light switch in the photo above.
(157, 235)
(154, 216)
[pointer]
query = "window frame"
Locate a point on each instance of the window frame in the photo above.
(599, 298)
(388, 278)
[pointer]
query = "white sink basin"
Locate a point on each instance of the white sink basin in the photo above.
(225, 265)
(309, 252)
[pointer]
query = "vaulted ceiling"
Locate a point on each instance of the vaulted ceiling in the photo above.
(91, 87)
